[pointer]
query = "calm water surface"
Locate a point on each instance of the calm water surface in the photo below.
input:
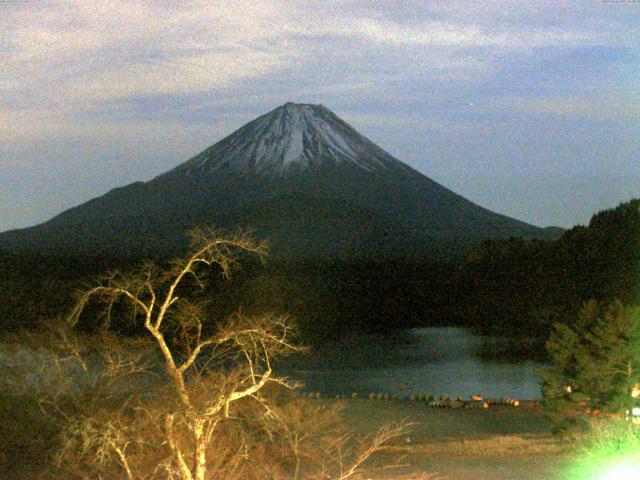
(435, 361)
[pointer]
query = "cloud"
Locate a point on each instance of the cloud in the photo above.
(81, 51)
(87, 50)
(589, 107)
(448, 34)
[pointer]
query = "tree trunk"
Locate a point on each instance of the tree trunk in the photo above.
(200, 454)
(185, 473)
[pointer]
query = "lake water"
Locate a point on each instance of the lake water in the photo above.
(434, 361)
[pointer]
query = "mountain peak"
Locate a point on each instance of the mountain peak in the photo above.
(294, 105)
(300, 107)
(291, 138)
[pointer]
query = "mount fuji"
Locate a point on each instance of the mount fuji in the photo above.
(300, 177)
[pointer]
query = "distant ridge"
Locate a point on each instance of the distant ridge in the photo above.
(302, 178)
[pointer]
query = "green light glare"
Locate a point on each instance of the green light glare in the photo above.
(626, 471)
(611, 451)
(615, 468)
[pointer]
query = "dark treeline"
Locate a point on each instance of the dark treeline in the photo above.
(524, 287)
(510, 287)
(326, 296)
(35, 288)
(330, 296)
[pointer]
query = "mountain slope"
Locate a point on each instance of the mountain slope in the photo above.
(300, 176)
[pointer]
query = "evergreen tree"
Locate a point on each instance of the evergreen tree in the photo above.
(596, 365)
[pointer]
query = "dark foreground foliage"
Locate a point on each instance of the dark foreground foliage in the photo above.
(596, 367)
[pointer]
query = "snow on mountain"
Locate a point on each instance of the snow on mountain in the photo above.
(293, 137)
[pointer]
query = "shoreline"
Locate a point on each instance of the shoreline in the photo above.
(499, 443)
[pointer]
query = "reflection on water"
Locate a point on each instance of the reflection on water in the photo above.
(435, 361)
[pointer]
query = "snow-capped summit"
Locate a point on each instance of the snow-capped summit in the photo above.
(293, 137)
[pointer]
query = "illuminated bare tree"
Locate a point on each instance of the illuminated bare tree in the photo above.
(207, 372)
(191, 399)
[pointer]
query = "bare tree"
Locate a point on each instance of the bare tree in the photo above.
(189, 400)
(207, 373)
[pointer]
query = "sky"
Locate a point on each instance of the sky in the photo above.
(528, 108)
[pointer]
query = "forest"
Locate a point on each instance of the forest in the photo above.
(510, 286)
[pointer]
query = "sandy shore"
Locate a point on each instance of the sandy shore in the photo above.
(498, 443)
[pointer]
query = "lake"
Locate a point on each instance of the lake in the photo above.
(434, 361)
